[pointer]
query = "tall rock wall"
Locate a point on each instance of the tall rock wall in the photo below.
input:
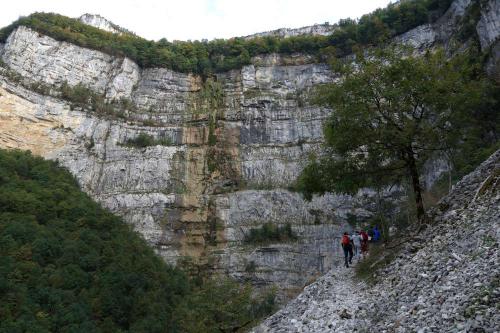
(317, 29)
(43, 59)
(191, 199)
(488, 27)
(230, 149)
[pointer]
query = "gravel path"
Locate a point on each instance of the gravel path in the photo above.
(333, 303)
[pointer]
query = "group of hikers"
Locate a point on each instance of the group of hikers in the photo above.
(357, 244)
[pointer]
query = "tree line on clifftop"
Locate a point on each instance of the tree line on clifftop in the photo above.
(207, 57)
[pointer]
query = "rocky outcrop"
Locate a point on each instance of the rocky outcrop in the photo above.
(43, 59)
(438, 33)
(100, 22)
(445, 279)
(488, 30)
(33, 122)
(493, 63)
(317, 29)
(488, 27)
(421, 37)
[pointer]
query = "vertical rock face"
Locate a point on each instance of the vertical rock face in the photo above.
(33, 122)
(231, 148)
(439, 32)
(43, 59)
(488, 30)
(317, 29)
(488, 27)
(167, 94)
(100, 22)
(192, 198)
(423, 36)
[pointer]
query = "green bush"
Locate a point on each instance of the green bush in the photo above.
(82, 97)
(269, 232)
(204, 57)
(144, 140)
(68, 265)
(223, 305)
(378, 258)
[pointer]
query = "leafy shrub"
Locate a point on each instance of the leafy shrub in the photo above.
(81, 96)
(271, 233)
(144, 140)
(378, 258)
(226, 306)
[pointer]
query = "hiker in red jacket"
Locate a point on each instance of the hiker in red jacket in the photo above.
(347, 247)
(364, 243)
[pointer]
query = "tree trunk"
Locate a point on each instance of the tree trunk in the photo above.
(417, 189)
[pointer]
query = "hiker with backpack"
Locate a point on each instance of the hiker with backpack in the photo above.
(347, 247)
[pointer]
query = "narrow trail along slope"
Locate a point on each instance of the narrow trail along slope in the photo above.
(446, 279)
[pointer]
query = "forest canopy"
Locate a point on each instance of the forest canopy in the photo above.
(68, 265)
(206, 57)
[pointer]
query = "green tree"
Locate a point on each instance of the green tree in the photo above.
(393, 111)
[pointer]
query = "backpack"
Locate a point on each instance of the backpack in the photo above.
(345, 240)
(364, 235)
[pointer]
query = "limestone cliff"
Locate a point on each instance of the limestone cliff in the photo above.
(168, 193)
(100, 22)
(234, 145)
(317, 29)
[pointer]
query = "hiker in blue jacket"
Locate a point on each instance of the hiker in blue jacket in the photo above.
(376, 234)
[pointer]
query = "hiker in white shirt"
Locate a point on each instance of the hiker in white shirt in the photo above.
(356, 239)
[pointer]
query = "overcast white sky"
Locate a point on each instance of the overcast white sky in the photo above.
(198, 19)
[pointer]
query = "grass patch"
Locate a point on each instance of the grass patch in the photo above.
(271, 233)
(378, 258)
(144, 140)
(79, 96)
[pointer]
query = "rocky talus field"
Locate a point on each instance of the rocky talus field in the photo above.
(445, 279)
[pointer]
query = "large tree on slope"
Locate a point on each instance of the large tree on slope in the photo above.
(393, 111)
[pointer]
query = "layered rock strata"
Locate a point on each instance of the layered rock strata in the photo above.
(189, 199)
(317, 29)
